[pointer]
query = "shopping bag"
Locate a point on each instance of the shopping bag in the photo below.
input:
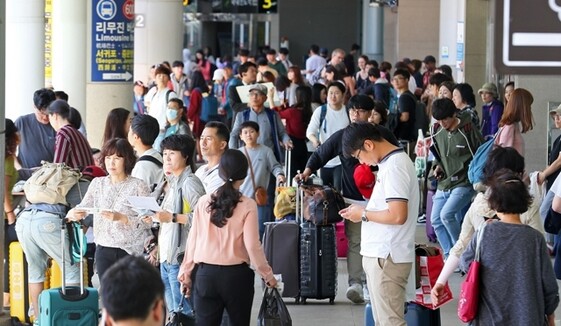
(178, 318)
(429, 262)
(469, 291)
(273, 311)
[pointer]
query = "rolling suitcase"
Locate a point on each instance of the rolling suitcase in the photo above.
(19, 290)
(281, 245)
(69, 305)
(417, 315)
(318, 258)
(20, 300)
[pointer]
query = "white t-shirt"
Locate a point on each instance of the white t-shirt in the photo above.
(333, 122)
(396, 180)
(147, 170)
(209, 177)
(159, 105)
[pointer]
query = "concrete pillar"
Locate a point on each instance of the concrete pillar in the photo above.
(372, 31)
(2, 114)
(411, 30)
(69, 51)
(476, 54)
(159, 37)
(25, 37)
(452, 36)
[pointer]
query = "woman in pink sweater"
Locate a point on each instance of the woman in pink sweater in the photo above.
(222, 242)
(517, 119)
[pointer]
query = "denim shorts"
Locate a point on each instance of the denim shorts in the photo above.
(39, 234)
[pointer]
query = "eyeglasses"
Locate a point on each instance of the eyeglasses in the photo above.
(358, 111)
(357, 156)
(398, 78)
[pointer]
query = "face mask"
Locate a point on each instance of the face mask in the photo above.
(171, 114)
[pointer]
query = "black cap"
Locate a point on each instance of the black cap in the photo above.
(429, 58)
(11, 128)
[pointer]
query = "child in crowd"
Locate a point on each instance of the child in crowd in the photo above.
(263, 162)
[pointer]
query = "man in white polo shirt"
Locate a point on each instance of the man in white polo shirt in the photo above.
(388, 221)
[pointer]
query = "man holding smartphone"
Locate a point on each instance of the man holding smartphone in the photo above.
(388, 221)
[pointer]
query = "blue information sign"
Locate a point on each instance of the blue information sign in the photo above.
(112, 40)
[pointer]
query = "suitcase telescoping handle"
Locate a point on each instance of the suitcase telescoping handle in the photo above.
(287, 161)
(63, 267)
(299, 200)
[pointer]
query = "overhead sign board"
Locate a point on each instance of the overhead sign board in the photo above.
(112, 40)
(528, 37)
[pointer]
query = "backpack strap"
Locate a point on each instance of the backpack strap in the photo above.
(167, 96)
(322, 115)
(272, 120)
(152, 159)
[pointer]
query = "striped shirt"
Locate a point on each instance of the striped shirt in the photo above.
(72, 148)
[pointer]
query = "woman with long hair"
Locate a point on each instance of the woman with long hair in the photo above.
(319, 95)
(295, 77)
(223, 241)
(297, 118)
(117, 124)
(199, 87)
(517, 119)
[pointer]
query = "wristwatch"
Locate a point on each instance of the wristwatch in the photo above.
(174, 218)
(363, 216)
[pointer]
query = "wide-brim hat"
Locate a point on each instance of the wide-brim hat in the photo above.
(489, 88)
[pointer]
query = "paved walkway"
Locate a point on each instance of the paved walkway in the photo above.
(343, 312)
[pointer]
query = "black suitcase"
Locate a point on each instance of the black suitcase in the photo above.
(318, 262)
(281, 245)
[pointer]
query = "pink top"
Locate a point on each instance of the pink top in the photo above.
(235, 243)
(510, 136)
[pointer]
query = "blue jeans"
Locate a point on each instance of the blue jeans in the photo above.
(264, 215)
(447, 214)
(172, 286)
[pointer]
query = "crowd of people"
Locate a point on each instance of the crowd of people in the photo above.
(357, 121)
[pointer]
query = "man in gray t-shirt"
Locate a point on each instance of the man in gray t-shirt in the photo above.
(37, 136)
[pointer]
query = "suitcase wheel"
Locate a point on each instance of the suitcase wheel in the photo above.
(303, 300)
(332, 300)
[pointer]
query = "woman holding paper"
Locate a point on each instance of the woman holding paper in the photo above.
(118, 229)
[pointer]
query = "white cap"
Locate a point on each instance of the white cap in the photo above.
(218, 74)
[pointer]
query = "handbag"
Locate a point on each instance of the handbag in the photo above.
(260, 192)
(273, 311)
(468, 302)
(552, 222)
(178, 318)
(428, 265)
(322, 204)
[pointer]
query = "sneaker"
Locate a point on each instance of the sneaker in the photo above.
(354, 293)
(365, 293)
(422, 219)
